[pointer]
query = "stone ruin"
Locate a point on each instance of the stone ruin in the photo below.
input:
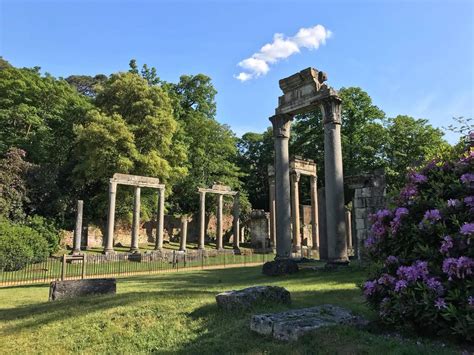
(304, 92)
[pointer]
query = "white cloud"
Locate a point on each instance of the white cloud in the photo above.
(282, 47)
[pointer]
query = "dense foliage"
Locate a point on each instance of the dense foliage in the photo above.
(20, 245)
(422, 251)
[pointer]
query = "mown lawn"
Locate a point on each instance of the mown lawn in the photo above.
(177, 313)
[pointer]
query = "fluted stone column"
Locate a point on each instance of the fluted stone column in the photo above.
(160, 220)
(220, 202)
(184, 233)
(333, 174)
(136, 220)
(109, 247)
(236, 221)
(314, 213)
(281, 134)
(202, 219)
(295, 209)
(78, 230)
(271, 180)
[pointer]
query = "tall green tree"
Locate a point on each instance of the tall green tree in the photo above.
(211, 146)
(255, 154)
(409, 143)
(133, 131)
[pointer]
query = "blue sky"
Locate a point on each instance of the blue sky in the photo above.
(412, 57)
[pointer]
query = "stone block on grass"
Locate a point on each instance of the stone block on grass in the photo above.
(291, 325)
(59, 290)
(251, 296)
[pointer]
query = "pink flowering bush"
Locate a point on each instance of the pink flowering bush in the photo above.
(422, 252)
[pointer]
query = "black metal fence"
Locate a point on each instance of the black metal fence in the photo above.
(122, 264)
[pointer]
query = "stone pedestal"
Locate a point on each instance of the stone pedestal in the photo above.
(259, 229)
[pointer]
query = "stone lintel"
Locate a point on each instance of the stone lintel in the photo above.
(303, 166)
(219, 192)
(303, 91)
(136, 180)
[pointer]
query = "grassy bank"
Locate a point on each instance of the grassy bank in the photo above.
(177, 313)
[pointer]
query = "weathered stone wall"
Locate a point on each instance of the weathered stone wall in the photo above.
(369, 197)
(259, 226)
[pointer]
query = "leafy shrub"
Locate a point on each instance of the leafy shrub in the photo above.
(20, 245)
(422, 252)
(47, 230)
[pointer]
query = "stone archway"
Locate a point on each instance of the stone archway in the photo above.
(304, 92)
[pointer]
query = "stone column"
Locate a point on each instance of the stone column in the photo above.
(109, 247)
(271, 181)
(314, 213)
(202, 219)
(184, 233)
(242, 234)
(160, 223)
(349, 229)
(295, 209)
(334, 183)
(219, 234)
(236, 222)
(78, 230)
(136, 220)
(281, 134)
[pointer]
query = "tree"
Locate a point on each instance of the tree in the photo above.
(133, 131)
(37, 115)
(85, 84)
(255, 154)
(13, 171)
(409, 143)
(211, 146)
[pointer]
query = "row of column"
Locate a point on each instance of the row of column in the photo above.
(109, 247)
(219, 215)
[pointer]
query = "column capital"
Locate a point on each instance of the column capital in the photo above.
(331, 109)
(281, 125)
(295, 175)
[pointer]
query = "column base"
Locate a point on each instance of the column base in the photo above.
(109, 252)
(76, 252)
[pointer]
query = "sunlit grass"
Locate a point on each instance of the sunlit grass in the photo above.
(177, 313)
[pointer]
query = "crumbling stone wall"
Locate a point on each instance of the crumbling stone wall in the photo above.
(369, 196)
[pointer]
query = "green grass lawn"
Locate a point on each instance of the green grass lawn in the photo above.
(177, 313)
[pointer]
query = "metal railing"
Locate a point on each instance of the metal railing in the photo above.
(69, 267)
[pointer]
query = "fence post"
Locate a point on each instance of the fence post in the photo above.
(63, 269)
(84, 266)
(202, 259)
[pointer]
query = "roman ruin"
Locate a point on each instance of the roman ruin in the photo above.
(137, 182)
(304, 92)
(220, 191)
